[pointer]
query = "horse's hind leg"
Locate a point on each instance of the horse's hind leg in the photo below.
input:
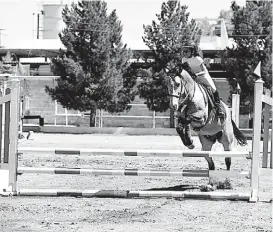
(227, 137)
(227, 147)
(206, 146)
(226, 140)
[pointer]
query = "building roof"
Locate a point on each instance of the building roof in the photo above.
(36, 47)
(51, 47)
(215, 43)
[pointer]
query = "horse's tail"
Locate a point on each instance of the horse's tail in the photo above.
(239, 135)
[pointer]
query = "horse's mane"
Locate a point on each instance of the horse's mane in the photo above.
(187, 68)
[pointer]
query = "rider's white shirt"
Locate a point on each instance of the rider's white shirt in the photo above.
(194, 62)
(196, 65)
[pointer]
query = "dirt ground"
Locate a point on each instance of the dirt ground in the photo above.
(69, 214)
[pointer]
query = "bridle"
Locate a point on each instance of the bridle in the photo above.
(183, 94)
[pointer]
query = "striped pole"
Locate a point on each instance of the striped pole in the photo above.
(135, 194)
(114, 172)
(134, 172)
(139, 152)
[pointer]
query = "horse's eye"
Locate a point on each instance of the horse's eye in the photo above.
(175, 84)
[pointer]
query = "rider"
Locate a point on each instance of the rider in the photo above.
(196, 63)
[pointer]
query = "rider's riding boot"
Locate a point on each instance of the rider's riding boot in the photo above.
(219, 110)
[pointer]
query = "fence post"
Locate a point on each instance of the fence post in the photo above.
(101, 118)
(7, 126)
(235, 111)
(172, 119)
(56, 112)
(154, 118)
(13, 132)
(4, 168)
(66, 117)
(1, 128)
(266, 117)
(236, 108)
(256, 136)
(271, 127)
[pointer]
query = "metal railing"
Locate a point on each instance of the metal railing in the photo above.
(100, 116)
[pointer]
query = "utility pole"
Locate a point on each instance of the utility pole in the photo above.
(38, 25)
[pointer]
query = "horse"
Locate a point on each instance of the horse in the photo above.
(195, 109)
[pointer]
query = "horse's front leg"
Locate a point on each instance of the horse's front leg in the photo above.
(184, 132)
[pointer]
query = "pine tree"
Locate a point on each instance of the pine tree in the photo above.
(253, 43)
(165, 38)
(94, 68)
(123, 76)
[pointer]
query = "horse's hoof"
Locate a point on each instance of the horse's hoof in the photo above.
(191, 146)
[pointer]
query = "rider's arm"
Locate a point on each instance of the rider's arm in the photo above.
(202, 67)
(203, 70)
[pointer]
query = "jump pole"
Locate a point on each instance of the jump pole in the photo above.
(135, 194)
(134, 152)
(135, 172)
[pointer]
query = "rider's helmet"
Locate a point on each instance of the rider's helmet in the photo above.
(193, 46)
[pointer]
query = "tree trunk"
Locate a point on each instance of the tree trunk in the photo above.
(172, 123)
(92, 117)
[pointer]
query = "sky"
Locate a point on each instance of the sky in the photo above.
(17, 19)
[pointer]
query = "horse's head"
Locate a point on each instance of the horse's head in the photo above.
(175, 86)
(180, 81)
